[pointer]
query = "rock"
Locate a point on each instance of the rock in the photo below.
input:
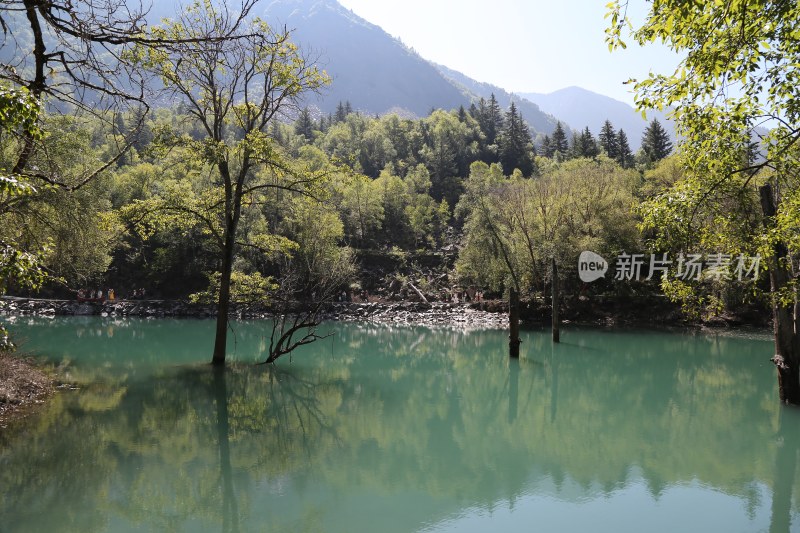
(405, 312)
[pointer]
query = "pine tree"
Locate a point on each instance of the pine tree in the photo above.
(588, 145)
(547, 147)
(608, 140)
(490, 119)
(574, 146)
(559, 140)
(624, 153)
(341, 114)
(655, 142)
(276, 132)
(305, 125)
(515, 144)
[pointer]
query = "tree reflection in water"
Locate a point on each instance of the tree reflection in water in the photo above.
(407, 426)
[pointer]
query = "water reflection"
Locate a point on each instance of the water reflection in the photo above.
(404, 429)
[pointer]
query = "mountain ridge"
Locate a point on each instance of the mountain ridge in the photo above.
(578, 108)
(376, 72)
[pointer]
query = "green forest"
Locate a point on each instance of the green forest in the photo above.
(374, 183)
(183, 160)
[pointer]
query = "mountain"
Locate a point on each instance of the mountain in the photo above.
(580, 108)
(536, 118)
(374, 71)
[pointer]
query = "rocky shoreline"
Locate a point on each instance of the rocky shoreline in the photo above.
(476, 315)
(489, 314)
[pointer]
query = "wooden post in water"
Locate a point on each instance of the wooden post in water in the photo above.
(513, 324)
(556, 303)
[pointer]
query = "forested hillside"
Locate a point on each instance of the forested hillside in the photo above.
(448, 181)
(203, 177)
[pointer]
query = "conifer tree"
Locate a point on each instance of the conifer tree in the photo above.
(305, 125)
(559, 140)
(547, 147)
(655, 142)
(515, 144)
(588, 144)
(574, 146)
(624, 153)
(608, 140)
(490, 119)
(341, 114)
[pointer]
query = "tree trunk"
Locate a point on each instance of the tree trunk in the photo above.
(513, 323)
(787, 348)
(224, 302)
(556, 304)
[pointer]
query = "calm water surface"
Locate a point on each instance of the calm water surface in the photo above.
(401, 430)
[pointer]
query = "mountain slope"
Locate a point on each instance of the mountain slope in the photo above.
(580, 108)
(370, 69)
(375, 72)
(536, 118)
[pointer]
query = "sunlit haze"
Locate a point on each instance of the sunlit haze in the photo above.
(522, 46)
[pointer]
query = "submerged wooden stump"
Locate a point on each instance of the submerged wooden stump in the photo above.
(513, 324)
(556, 304)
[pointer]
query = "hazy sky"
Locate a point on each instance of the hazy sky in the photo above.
(520, 45)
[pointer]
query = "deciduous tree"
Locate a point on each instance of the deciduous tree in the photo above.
(738, 71)
(234, 88)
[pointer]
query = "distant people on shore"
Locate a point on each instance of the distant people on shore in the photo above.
(95, 294)
(105, 295)
(138, 294)
(465, 296)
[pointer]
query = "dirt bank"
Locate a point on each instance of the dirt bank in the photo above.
(23, 387)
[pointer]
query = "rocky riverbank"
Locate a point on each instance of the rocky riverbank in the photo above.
(597, 311)
(463, 315)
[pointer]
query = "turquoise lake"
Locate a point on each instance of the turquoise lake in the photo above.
(400, 429)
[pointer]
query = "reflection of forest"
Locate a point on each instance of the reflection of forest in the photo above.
(406, 424)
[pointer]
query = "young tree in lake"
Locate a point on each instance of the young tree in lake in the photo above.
(655, 142)
(234, 89)
(732, 52)
(609, 141)
(318, 270)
